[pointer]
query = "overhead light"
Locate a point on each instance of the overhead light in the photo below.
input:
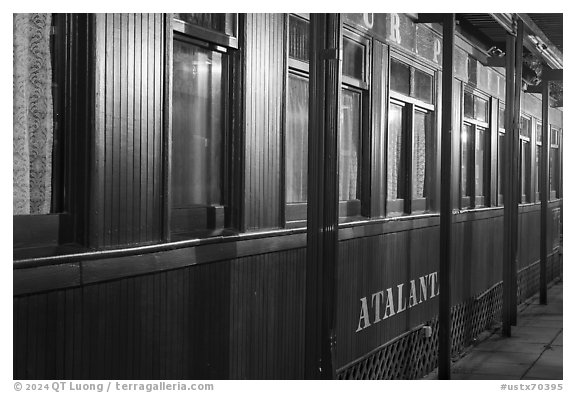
(495, 52)
(540, 45)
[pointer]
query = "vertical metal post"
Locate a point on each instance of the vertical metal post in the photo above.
(517, 164)
(509, 188)
(322, 235)
(544, 190)
(444, 333)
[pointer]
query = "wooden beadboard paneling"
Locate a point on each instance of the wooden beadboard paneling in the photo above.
(267, 316)
(169, 325)
(528, 236)
(265, 64)
(240, 318)
(129, 120)
(370, 264)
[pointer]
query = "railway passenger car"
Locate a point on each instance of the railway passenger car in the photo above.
(161, 185)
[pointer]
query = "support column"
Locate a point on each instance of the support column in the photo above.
(517, 164)
(444, 332)
(322, 235)
(510, 189)
(544, 190)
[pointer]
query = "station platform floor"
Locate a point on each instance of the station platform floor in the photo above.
(533, 352)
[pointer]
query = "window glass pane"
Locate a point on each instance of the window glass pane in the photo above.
(297, 139)
(349, 140)
(525, 173)
(538, 133)
(480, 161)
(353, 62)
(223, 23)
(501, 118)
(525, 127)
(35, 112)
(553, 137)
(198, 125)
(468, 105)
(554, 165)
(501, 163)
(298, 38)
(466, 141)
(537, 169)
(399, 77)
(396, 153)
(422, 155)
(472, 70)
(480, 109)
(423, 86)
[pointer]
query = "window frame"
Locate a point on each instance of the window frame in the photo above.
(537, 159)
(348, 210)
(216, 218)
(206, 34)
(64, 230)
(295, 213)
(410, 205)
(501, 150)
(525, 172)
(555, 194)
(476, 201)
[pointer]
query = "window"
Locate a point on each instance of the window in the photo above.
(501, 154)
(537, 161)
(47, 136)
(36, 111)
(554, 163)
(410, 139)
(475, 153)
(297, 139)
(353, 112)
(525, 159)
(221, 29)
(296, 129)
(200, 122)
(349, 142)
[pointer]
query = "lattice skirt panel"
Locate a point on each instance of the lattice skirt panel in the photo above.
(412, 356)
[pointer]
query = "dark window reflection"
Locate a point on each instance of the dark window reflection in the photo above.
(423, 86)
(353, 62)
(298, 38)
(468, 105)
(400, 77)
(525, 171)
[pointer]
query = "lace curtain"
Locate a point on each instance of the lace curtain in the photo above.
(33, 114)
